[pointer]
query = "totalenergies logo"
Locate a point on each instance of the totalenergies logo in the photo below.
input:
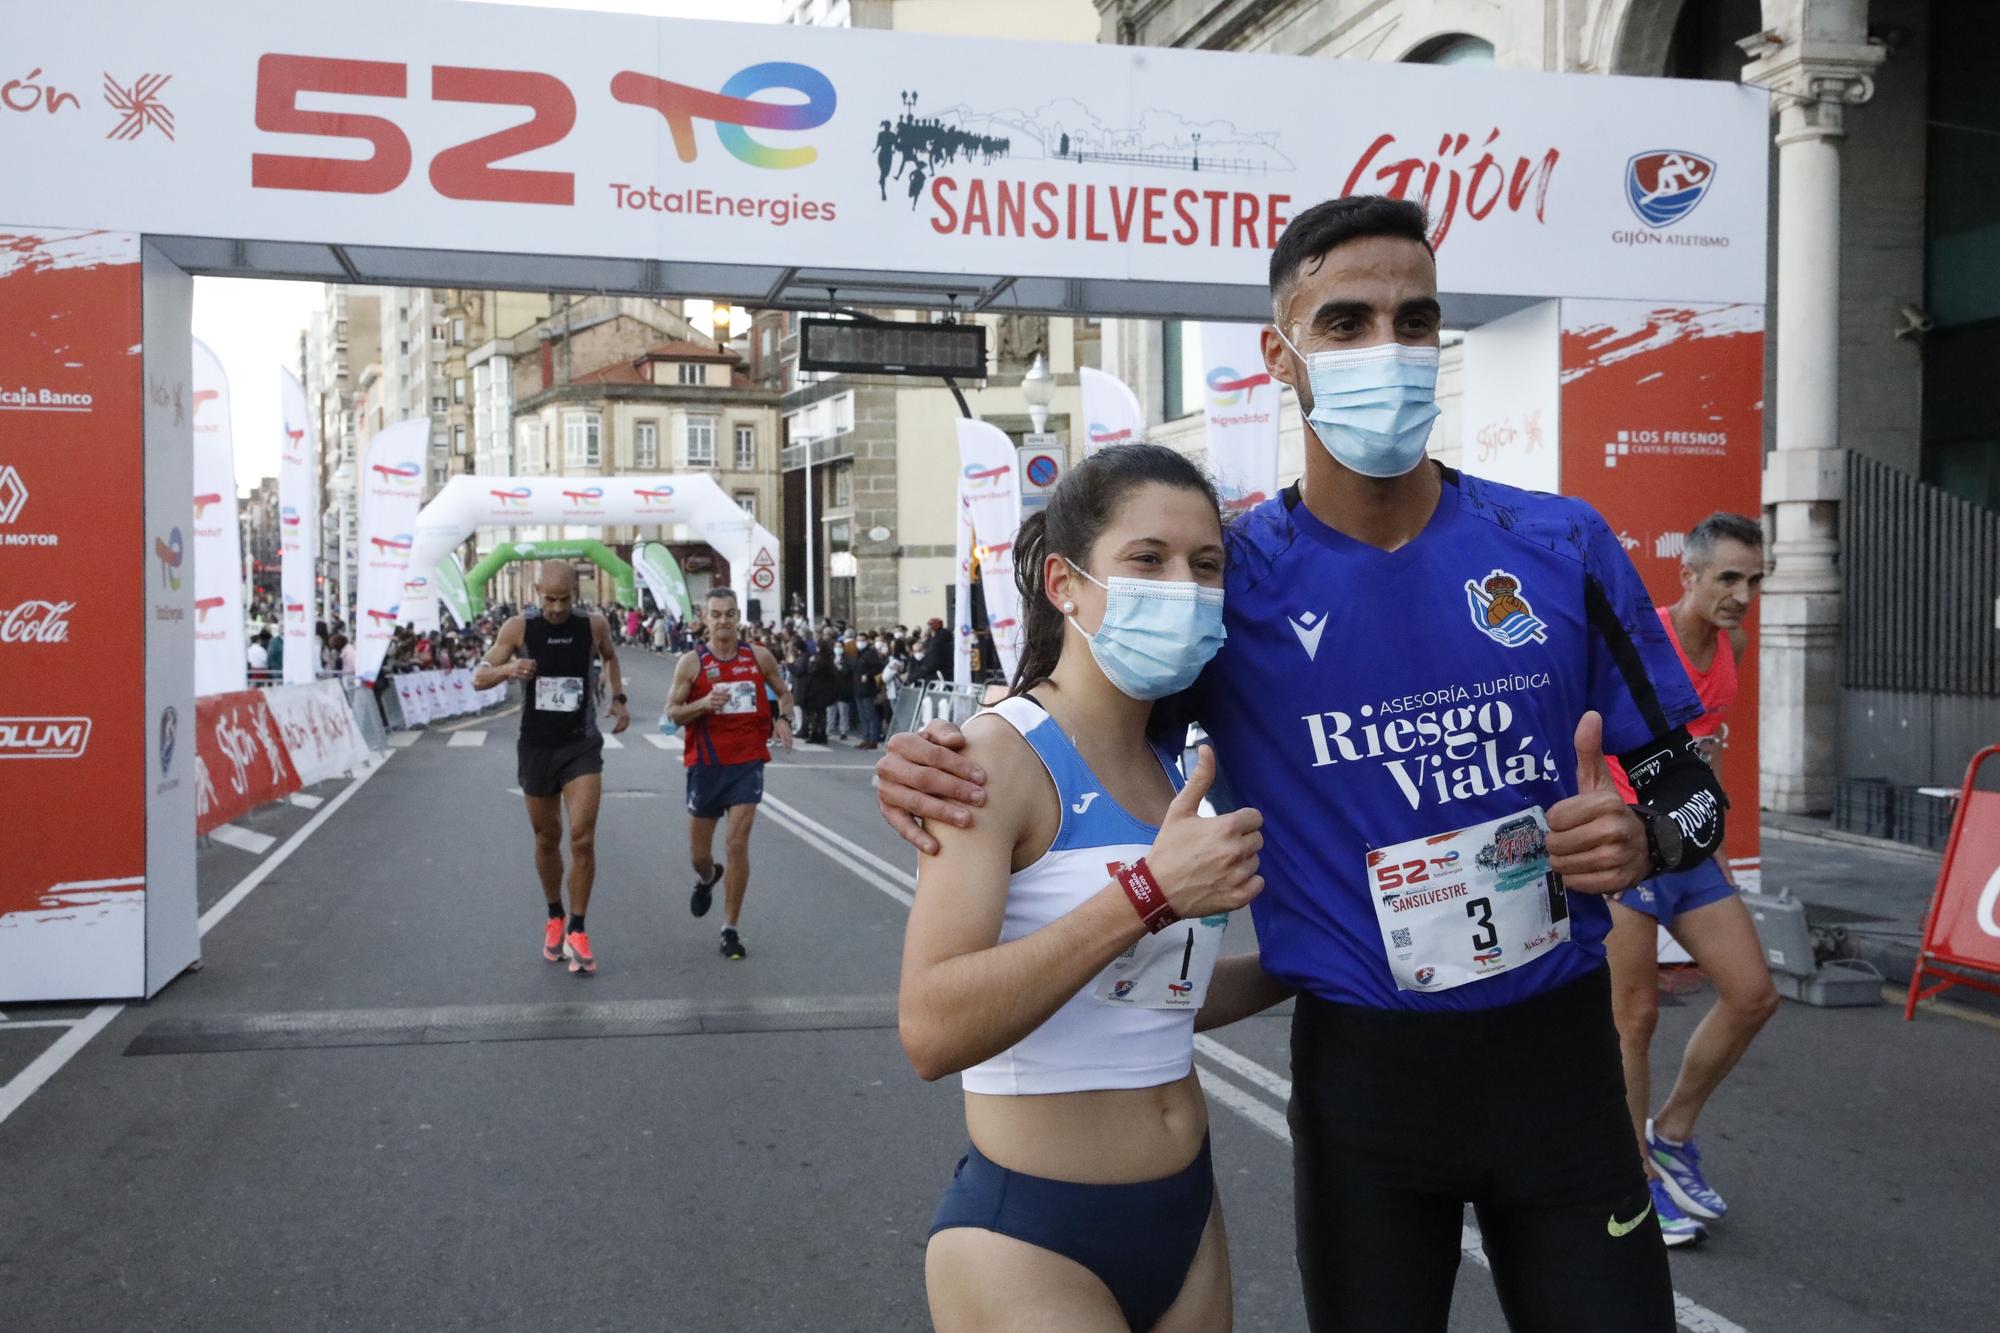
(976, 475)
(1101, 435)
(416, 585)
(1226, 388)
(405, 475)
(294, 439)
(515, 499)
(378, 617)
(169, 550)
(203, 605)
(590, 496)
(402, 541)
(202, 502)
(656, 496)
(289, 516)
(733, 112)
(296, 612)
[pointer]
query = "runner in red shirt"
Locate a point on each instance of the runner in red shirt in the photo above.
(718, 696)
(1722, 570)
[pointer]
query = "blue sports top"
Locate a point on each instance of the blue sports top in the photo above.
(1366, 697)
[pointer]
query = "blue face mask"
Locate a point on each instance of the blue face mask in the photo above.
(1156, 636)
(1372, 406)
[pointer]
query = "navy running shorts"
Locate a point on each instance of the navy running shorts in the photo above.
(546, 769)
(1666, 897)
(713, 788)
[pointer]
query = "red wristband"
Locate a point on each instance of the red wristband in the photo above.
(1147, 897)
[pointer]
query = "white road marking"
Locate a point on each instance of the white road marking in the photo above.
(248, 840)
(610, 795)
(37, 1023)
(673, 743)
(403, 740)
(483, 718)
(305, 800)
(611, 742)
(44, 1066)
(900, 885)
(227, 903)
(466, 740)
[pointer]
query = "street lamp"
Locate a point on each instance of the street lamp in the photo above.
(719, 319)
(1039, 388)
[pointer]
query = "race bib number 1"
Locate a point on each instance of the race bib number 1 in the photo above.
(1169, 970)
(1462, 906)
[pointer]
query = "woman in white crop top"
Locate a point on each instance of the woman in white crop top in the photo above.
(1060, 951)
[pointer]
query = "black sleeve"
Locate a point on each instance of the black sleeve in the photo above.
(1671, 778)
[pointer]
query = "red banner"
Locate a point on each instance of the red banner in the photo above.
(77, 570)
(241, 760)
(1663, 425)
(1964, 926)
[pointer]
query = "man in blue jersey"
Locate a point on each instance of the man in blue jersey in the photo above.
(1423, 674)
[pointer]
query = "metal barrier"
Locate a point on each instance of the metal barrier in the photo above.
(919, 704)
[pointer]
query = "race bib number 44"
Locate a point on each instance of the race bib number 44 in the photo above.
(1461, 906)
(558, 694)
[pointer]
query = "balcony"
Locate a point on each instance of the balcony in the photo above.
(833, 447)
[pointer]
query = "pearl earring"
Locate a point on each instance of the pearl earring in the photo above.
(1069, 608)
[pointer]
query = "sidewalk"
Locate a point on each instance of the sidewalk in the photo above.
(1871, 894)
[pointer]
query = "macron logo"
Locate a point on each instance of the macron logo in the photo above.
(1309, 627)
(1084, 805)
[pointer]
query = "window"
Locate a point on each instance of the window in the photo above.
(458, 439)
(1181, 388)
(746, 448)
(531, 446)
(458, 389)
(747, 502)
(843, 486)
(646, 444)
(438, 403)
(437, 333)
(458, 330)
(701, 442)
(691, 372)
(581, 444)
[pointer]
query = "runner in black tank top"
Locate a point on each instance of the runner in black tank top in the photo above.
(561, 750)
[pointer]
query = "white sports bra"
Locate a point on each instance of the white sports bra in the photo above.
(1131, 1026)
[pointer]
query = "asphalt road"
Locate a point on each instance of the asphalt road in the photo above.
(375, 1107)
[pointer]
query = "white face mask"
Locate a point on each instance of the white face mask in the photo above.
(1372, 406)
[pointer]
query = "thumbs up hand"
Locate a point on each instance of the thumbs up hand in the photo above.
(1596, 841)
(1206, 866)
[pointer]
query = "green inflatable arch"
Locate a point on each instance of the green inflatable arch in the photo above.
(624, 587)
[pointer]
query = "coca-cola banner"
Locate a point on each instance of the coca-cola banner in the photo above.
(241, 761)
(219, 662)
(81, 576)
(298, 530)
(318, 729)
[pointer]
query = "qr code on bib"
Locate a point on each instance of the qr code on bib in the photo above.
(1400, 938)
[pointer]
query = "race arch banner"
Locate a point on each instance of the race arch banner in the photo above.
(1155, 179)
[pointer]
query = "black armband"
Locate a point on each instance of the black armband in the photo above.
(1673, 781)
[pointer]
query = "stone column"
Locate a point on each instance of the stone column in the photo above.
(1816, 59)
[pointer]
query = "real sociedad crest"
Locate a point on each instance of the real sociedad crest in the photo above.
(1664, 186)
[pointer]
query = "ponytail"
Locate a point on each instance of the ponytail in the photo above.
(1042, 633)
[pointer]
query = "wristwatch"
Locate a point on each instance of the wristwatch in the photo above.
(1664, 844)
(618, 698)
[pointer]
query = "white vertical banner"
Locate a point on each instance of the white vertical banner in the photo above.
(392, 492)
(961, 626)
(1111, 413)
(219, 664)
(987, 466)
(298, 530)
(1241, 400)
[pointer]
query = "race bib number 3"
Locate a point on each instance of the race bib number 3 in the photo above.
(558, 694)
(1461, 906)
(1169, 970)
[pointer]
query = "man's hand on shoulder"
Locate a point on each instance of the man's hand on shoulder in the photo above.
(925, 775)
